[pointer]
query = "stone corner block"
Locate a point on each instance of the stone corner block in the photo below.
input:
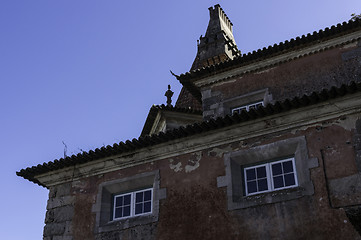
(221, 181)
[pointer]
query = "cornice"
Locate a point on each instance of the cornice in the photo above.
(290, 121)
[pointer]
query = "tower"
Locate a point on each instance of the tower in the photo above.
(218, 45)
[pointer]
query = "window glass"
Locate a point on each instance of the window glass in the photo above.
(247, 107)
(132, 204)
(143, 202)
(139, 197)
(122, 206)
(256, 179)
(270, 176)
(138, 208)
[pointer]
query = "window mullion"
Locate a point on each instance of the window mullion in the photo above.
(245, 180)
(270, 176)
(294, 171)
(132, 204)
(114, 199)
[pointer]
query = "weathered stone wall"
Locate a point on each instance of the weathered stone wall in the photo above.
(60, 213)
(195, 208)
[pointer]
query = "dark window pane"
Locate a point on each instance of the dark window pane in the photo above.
(290, 179)
(138, 208)
(127, 199)
(251, 174)
(262, 185)
(261, 172)
(278, 182)
(126, 211)
(252, 187)
(276, 169)
(118, 201)
(118, 213)
(147, 195)
(147, 207)
(287, 167)
(139, 197)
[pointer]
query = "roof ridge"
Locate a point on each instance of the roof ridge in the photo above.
(177, 109)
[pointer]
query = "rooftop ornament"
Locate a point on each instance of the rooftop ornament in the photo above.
(169, 95)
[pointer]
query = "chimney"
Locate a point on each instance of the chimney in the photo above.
(218, 44)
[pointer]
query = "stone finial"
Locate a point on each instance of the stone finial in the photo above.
(169, 95)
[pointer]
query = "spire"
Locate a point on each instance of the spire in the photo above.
(218, 44)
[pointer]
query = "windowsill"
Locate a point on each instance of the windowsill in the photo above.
(269, 197)
(128, 222)
(271, 191)
(125, 218)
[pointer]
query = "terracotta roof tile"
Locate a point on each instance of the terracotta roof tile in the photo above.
(190, 130)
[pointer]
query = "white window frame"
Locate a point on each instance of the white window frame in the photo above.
(132, 203)
(247, 107)
(269, 174)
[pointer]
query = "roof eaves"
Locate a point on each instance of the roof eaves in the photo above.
(155, 109)
(150, 120)
(196, 128)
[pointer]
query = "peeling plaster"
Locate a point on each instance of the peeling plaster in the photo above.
(294, 131)
(348, 123)
(193, 164)
(219, 152)
(354, 44)
(175, 167)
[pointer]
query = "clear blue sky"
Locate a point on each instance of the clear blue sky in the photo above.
(86, 72)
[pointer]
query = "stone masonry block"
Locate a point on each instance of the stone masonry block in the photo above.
(63, 214)
(208, 113)
(52, 192)
(357, 141)
(162, 193)
(211, 101)
(313, 163)
(63, 189)
(221, 181)
(49, 216)
(358, 126)
(358, 160)
(60, 202)
(68, 228)
(207, 93)
(62, 238)
(52, 229)
(214, 106)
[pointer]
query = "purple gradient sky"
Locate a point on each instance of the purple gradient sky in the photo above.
(86, 72)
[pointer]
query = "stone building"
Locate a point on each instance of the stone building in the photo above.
(264, 145)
